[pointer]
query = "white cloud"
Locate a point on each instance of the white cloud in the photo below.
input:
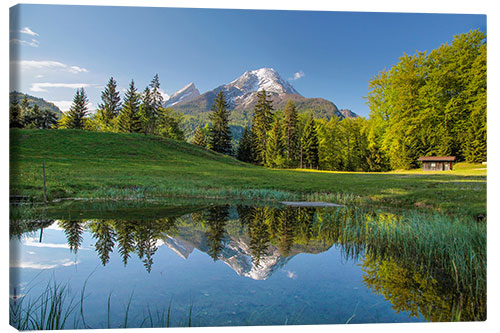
(37, 265)
(32, 265)
(40, 86)
(164, 95)
(76, 69)
(298, 75)
(28, 31)
(39, 76)
(33, 242)
(32, 43)
(64, 106)
(34, 64)
(47, 64)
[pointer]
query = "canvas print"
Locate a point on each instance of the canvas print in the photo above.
(183, 167)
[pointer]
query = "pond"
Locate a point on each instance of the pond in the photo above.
(221, 265)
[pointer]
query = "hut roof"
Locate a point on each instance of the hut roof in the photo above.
(437, 158)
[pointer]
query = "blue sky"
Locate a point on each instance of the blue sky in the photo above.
(59, 48)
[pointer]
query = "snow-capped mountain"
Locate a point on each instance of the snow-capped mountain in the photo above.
(186, 94)
(236, 253)
(241, 95)
(242, 92)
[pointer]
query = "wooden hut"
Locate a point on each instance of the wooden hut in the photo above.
(437, 163)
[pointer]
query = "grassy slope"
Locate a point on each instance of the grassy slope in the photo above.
(99, 165)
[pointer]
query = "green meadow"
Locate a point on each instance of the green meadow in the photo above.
(107, 166)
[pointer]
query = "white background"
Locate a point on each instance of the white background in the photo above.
(490, 8)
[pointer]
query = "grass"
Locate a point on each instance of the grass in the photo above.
(447, 248)
(93, 165)
(56, 309)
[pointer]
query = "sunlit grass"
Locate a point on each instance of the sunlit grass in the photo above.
(136, 167)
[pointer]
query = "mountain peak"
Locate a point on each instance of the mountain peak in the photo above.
(186, 94)
(261, 79)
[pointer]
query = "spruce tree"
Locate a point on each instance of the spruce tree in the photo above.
(156, 96)
(199, 137)
(78, 110)
(46, 119)
(220, 134)
(244, 152)
(109, 109)
(275, 149)
(169, 124)
(261, 124)
(309, 142)
(128, 120)
(25, 107)
(146, 113)
(30, 117)
(291, 133)
(14, 112)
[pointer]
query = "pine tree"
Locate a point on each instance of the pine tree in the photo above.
(245, 147)
(220, 134)
(47, 119)
(128, 119)
(78, 110)
(30, 117)
(105, 237)
(14, 112)
(199, 137)
(217, 218)
(261, 124)
(291, 133)
(169, 124)
(109, 109)
(309, 143)
(146, 113)
(275, 149)
(25, 106)
(156, 96)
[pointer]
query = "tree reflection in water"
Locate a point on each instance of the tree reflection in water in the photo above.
(399, 263)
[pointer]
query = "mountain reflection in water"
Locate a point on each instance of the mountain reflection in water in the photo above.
(255, 242)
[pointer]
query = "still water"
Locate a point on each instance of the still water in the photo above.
(210, 266)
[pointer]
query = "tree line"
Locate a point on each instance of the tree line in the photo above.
(136, 113)
(428, 104)
(431, 104)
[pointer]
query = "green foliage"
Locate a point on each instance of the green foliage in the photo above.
(128, 120)
(199, 137)
(244, 152)
(25, 116)
(156, 96)
(147, 115)
(75, 117)
(169, 124)
(219, 138)
(291, 134)
(261, 124)
(431, 104)
(14, 112)
(133, 167)
(275, 149)
(309, 144)
(25, 101)
(36, 118)
(109, 109)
